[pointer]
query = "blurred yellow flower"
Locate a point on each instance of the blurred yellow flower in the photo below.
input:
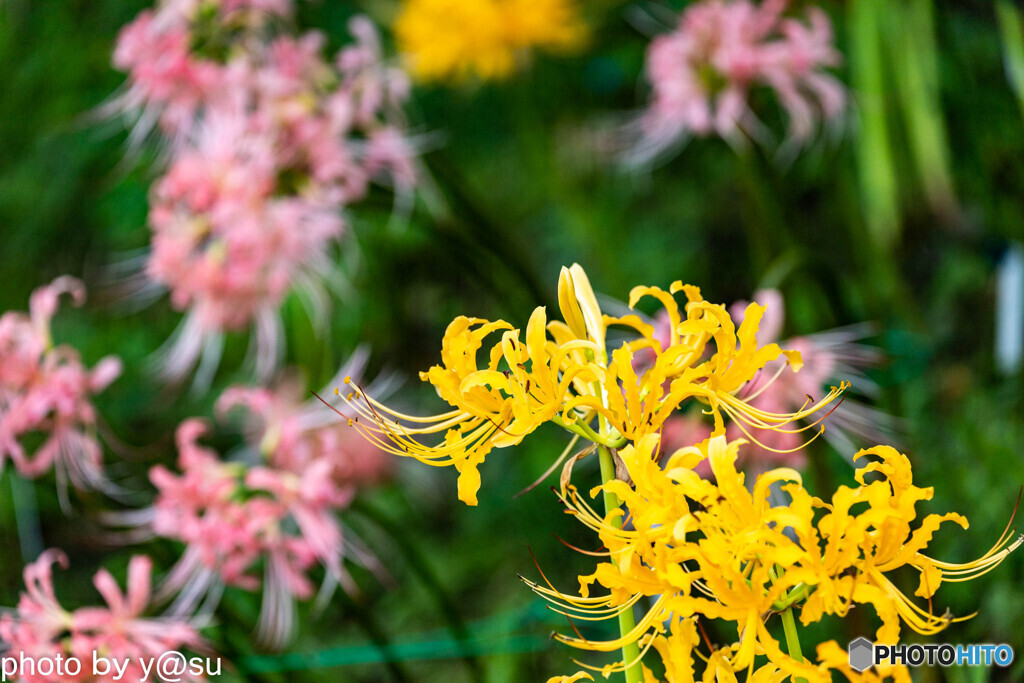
(460, 39)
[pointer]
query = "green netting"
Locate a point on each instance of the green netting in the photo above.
(515, 631)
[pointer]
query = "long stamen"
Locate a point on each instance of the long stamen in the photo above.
(778, 373)
(632, 636)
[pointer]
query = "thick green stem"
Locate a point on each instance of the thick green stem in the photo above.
(630, 652)
(792, 639)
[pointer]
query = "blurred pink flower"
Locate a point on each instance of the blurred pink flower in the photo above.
(268, 145)
(175, 59)
(702, 73)
(294, 435)
(46, 389)
(166, 84)
(229, 246)
(41, 628)
(681, 431)
(828, 357)
(233, 519)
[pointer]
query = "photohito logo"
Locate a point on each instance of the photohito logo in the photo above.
(864, 654)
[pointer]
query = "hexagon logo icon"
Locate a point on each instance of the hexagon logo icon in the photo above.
(862, 654)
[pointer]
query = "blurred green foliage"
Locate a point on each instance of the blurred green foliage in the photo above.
(901, 221)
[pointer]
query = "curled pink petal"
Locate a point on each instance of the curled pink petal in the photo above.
(46, 389)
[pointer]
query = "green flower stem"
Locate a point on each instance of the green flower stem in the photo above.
(792, 639)
(767, 233)
(627, 622)
(799, 593)
(587, 432)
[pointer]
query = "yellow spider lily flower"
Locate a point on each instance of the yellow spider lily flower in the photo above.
(676, 649)
(720, 551)
(694, 546)
(581, 676)
(859, 549)
(679, 651)
(460, 39)
(523, 385)
(833, 657)
(561, 372)
(689, 369)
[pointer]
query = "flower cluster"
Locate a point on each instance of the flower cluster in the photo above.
(714, 550)
(692, 548)
(562, 372)
(177, 56)
(41, 628)
(702, 73)
(461, 39)
(826, 357)
(235, 520)
(269, 143)
(46, 389)
(274, 509)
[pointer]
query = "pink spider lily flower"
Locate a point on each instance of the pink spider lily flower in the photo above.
(234, 521)
(187, 57)
(375, 93)
(166, 84)
(251, 206)
(310, 501)
(340, 122)
(293, 434)
(229, 247)
(46, 389)
(38, 609)
(174, 57)
(41, 628)
(702, 74)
